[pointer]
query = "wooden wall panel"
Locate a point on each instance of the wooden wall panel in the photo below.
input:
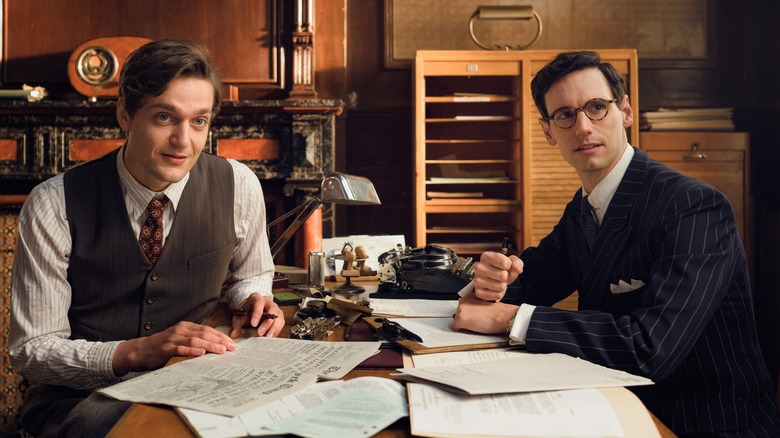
(242, 35)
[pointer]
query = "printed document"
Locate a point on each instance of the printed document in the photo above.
(339, 409)
(535, 372)
(413, 307)
(574, 413)
(466, 357)
(260, 370)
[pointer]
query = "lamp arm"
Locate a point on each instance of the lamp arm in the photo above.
(304, 211)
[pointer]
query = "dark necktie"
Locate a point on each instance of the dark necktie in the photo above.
(589, 227)
(152, 231)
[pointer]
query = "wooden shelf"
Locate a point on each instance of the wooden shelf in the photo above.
(470, 99)
(470, 230)
(471, 119)
(473, 112)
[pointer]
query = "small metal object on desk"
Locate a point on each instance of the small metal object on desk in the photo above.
(392, 331)
(314, 329)
(316, 278)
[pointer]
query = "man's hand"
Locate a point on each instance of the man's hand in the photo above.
(255, 306)
(494, 273)
(480, 316)
(183, 339)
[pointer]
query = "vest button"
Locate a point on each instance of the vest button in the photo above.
(154, 276)
(150, 300)
(148, 326)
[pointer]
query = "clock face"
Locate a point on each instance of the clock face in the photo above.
(96, 65)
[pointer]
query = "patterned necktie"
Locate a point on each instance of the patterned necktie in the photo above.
(152, 231)
(589, 227)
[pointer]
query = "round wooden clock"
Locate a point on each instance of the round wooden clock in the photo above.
(93, 68)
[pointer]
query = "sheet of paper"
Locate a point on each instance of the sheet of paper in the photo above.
(575, 413)
(537, 372)
(466, 357)
(207, 425)
(260, 370)
(355, 409)
(429, 308)
(437, 332)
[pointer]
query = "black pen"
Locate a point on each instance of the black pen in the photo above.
(505, 246)
(242, 312)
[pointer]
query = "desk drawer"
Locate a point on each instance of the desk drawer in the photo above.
(702, 141)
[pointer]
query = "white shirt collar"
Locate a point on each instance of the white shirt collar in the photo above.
(137, 196)
(602, 194)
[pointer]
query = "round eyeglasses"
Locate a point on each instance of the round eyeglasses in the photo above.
(595, 109)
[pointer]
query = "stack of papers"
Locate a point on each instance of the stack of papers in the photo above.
(527, 373)
(698, 119)
(508, 393)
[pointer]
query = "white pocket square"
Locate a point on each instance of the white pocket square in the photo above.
(623, 287)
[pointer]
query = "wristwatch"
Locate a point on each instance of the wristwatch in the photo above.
(510, 322)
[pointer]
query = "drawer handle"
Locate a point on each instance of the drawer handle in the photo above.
(695, 156)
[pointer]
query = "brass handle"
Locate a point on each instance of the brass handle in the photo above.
(695, 156)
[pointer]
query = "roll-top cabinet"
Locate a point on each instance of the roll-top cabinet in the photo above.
(483, 170)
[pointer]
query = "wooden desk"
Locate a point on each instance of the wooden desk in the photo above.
(162, 421)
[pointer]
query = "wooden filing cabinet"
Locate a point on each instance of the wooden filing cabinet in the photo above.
(720, 159)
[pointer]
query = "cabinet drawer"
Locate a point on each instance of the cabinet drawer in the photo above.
(701, 141)
(700, 155)
(472, 68)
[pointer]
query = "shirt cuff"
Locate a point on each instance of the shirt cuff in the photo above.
(519, 329)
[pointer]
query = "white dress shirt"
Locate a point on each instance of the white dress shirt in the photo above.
(599, 199)
(39, 345)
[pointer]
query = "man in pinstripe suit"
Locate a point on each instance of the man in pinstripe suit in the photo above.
(663, 284)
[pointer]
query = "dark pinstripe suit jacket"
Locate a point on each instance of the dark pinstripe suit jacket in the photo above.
(690, 327)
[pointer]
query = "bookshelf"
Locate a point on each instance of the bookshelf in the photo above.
(483, 170)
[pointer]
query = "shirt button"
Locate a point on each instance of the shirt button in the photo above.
(154, 276)
(148, 326)
(150, 300)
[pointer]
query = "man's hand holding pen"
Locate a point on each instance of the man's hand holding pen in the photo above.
(260, 312)
(482, 311)
(494, 273)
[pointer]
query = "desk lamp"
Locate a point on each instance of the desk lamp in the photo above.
(505, 12)
(338, 188)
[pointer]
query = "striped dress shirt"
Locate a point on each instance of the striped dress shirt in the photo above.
(40, 347)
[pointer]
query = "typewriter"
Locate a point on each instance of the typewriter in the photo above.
(429, 272)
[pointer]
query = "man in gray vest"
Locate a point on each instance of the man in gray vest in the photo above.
(119, 260)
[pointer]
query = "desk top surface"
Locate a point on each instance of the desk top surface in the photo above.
(156, 420)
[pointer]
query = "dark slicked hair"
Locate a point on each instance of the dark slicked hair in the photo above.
(568, 62)
(151, 67)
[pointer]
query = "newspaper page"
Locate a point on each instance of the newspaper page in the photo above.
(260, 370)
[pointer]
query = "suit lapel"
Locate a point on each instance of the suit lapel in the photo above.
(613, 232)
